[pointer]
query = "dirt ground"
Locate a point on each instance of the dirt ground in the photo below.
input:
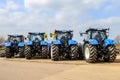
(42, 69)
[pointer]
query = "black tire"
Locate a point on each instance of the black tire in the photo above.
(2, 54)
(111, 54)
(21, 52)
(28, 54)
(55, 53)
(80, 52)
(90, 53)
(44, 52)
(8, 52)
(74, 52)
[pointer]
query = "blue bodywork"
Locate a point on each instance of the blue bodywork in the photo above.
(70, 42)
(106, 43)
(9, 43)
(58, 42)
(42, 42)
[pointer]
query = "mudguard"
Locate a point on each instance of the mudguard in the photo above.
(93, 41)
(29, 43)
(72, 42)
(108, 42)
(8, 44)
(20, 44)
(57, 42)
(43, 43)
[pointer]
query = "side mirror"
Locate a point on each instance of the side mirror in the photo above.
(107, 35)
(46, 37)
(28, 36)
(81, 34)
(50, 34)
(84, 40)
(8, 39)
(25, 38)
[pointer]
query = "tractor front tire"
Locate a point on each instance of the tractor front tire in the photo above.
(55, 53)
(111, 54)
(74, 52)
(90, 53)
(44, 52)
(28, 54)
(7, 52)
(21, 52)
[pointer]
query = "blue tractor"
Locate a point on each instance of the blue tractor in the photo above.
(14, 46)
(97, 46)
(36, 46)
(62, 45)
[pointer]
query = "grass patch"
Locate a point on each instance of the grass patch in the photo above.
(2, 50)
(118, 46)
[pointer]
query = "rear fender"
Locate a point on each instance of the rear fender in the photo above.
(92, 41)
(21, 44)
(72, 42)
(29, 43)
(56, 42)
(8, 44)
(43, 43)
(108, 42)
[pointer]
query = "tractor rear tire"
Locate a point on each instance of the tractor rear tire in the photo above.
(21, 52)
(111, 54)
(44, 52)
(74, 52)
(90, 53)
(80, 52)
(28, 54)
(55, 53)
(7, 52)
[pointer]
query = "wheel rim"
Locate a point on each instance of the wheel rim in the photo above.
(87, 53)
(51, 51)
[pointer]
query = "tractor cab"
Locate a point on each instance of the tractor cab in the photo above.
(37, 36)
(99, 34)
(63, 35)
(15, 38)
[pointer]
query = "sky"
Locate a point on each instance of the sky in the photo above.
(23, 16)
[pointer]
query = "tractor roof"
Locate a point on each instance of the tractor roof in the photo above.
(97, 29)
(36, 33)
(65, 31)
(15, 35)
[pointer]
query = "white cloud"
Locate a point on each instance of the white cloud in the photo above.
(47, 15)
(11, 5)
